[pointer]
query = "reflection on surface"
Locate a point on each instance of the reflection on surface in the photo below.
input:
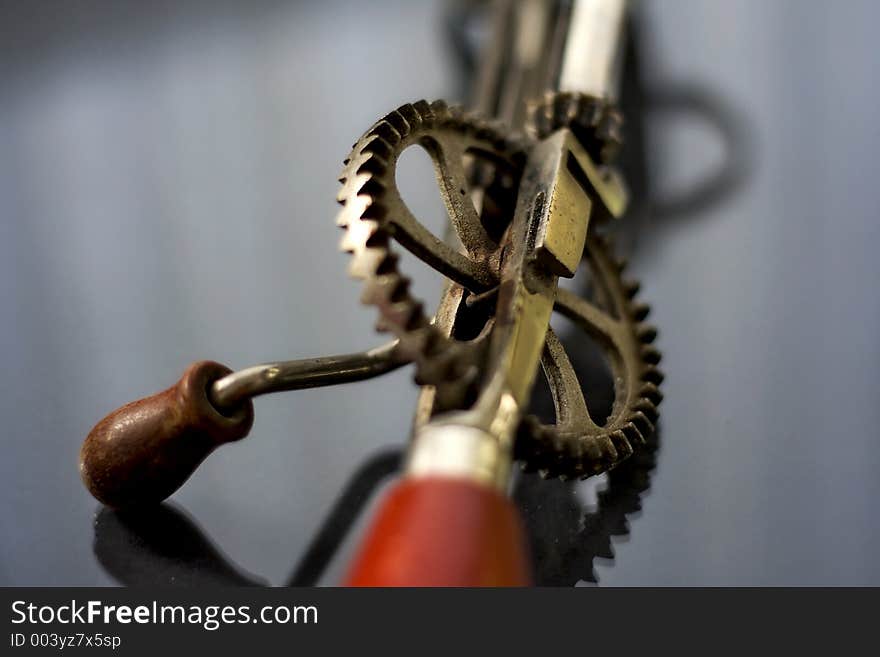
(566, 536)
(163, 545)
(343, 514)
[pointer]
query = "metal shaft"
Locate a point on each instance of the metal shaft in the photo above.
(591, 56)
(549, 45)
(232, 390)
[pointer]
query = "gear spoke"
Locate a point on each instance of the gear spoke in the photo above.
(590, 318)
(437, 254)
(568, 397)
(448, 156)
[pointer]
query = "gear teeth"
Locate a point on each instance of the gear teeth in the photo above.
(387, 132)
(377, 146)
(423, 111)
(651, 355)
(596, 123)
(652, 393)
(633, 434)
(652, 374)
(413, 114)
(631, 288)
(593, 450)
(609, 451)
(365, 262)
(387, 267)
(388, 288)
(622, 444)
(649, 409)
(397, 121)
(642, 423)
(438, 108)
(640, 311)
(646, 333)
(374, 165)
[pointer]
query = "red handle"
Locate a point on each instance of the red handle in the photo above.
(443, 532)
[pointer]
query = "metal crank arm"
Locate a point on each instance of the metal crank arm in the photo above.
(144, 451)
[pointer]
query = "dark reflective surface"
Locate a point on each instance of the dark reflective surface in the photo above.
(162, 546)
(571, 524)
(167, 175)
(165, 546)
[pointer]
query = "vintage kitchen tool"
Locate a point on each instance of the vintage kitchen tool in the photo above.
(531, 195)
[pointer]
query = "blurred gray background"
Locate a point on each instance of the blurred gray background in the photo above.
(167, 176)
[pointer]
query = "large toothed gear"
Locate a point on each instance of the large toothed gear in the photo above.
(373, 215)
(597, 123)
(576, 445)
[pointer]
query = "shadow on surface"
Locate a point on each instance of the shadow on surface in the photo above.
(565, 537)
(164, 546)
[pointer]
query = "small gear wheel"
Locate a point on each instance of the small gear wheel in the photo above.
(596, 122)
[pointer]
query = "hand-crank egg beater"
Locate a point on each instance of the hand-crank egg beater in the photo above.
(531, 190)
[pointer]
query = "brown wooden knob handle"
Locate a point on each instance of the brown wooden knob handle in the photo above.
(143, 452)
